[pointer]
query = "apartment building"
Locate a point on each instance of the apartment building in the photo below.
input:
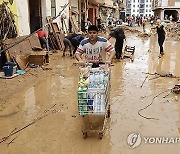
(165, 9)
(141, 8)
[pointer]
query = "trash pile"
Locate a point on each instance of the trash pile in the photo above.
(176, 89)
(92, 90)
(7, 23)
(173, 31)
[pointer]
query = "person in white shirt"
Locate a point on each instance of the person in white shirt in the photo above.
(93, 46)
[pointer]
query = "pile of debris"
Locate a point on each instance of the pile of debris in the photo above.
(173, 31)
(7, 23)
(132, 30)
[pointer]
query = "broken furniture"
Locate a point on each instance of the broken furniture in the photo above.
(20, 52)
(56, 35)
(39, 58)
(128, 52)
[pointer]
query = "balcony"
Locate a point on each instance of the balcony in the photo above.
(142, 2)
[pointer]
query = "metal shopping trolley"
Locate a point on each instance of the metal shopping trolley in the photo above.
(93, 101)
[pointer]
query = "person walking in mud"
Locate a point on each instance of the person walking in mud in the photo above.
(161, 36)
(119, 35)
(93, 47)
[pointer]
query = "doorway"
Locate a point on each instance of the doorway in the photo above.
(173, 13)
(35, 15)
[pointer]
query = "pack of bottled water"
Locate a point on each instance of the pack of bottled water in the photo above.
(98, 80)
(91, 93)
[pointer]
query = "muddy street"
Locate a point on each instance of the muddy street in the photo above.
(46, 109)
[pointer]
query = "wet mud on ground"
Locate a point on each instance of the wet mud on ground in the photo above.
(45, 108)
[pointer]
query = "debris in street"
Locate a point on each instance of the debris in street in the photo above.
(176, 98)
(7, 23)
(173, 30)
(176, 89)
(162, 74)
(149, 118)
(15, 131)
(144, 81)
(74, 116)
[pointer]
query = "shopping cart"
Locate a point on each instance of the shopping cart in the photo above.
(93, 102)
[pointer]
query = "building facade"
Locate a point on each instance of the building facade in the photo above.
(31, 14)
(141, 8)
(166, 9)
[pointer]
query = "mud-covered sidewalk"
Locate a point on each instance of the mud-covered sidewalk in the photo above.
(39, 113)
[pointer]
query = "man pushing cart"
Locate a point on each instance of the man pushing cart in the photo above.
(93, 87)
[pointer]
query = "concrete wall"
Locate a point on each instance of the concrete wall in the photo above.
(164, 3)
(23, 17)
(177, 4)
(46, 10)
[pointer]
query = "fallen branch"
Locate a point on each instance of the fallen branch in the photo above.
(144, 81)
(3, 139)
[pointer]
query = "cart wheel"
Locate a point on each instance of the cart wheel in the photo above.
(108, 111)
(100, 135)
(84, 135)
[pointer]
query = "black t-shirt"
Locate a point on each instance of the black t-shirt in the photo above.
(160, 31)
(117, 33)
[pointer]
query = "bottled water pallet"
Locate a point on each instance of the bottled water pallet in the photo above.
(94, 107)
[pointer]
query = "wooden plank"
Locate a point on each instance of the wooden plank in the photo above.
(74, 24)
(39, 53)
(61, 38)
(22, 61)
(34, 41)
(54, 29)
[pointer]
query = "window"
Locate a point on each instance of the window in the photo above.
(134, 1)
(133, 5)
(147, 1)
(137, 10)
(149, 5)
(133, 10)
(53, 8)
(146, 5)
(150, 10)
(146, 10)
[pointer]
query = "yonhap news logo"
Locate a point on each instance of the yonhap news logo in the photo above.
(135, 139)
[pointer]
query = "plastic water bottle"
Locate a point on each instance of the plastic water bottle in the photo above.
(95, 103)
(99, 104)
(102, 104)
(85, 97)
(90, 101)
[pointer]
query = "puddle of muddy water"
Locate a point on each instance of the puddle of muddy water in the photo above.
(61, 132)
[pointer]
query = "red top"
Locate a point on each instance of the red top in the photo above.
(41, 33)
